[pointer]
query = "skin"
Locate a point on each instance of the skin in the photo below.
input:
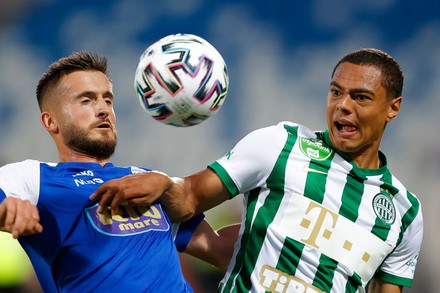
(80, 108)
(357, 113)
(84, 101)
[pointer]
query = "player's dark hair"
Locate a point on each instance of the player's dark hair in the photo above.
(78, 61)
(392, 74)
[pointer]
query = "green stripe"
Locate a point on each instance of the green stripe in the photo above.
(410, 214)
(226, 179)
(324, 273)
(315, 182)
(352, 196)
(381, 229)
(394, 280)
(290, 256)
(353, 284)
(240, 258)
(264, 217)
(315, 190)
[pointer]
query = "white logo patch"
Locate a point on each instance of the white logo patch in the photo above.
(384, 208)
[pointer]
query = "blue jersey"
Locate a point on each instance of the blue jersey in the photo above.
(81, 250)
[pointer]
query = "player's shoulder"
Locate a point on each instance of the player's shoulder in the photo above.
(284, 128)
(22, 165)
(296, 129)
(277, 134)
(28, 166)
(405, 193)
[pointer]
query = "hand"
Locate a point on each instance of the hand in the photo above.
(19, 217)
(137, 189)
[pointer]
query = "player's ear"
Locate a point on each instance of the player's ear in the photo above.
(394, 108)
(49, 122)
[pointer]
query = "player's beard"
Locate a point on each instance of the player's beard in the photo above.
(79, 140)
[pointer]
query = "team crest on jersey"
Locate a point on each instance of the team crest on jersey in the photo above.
(314, 148)
(384, 208)
(129, 220)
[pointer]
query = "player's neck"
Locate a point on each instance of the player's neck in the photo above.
(366, 160)
(79, 157)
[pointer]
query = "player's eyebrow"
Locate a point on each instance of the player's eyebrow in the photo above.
(352, 91)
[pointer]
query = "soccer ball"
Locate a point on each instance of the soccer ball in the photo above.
(181, 80)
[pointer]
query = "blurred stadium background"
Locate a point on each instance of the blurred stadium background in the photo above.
(280, 55)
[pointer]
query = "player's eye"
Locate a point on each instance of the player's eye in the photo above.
(85, 100)
(361, 97)
(335, 92)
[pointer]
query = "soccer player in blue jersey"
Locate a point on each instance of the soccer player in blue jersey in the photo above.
(74, 245)
(323, 212)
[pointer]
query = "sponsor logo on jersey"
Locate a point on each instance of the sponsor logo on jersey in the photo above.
(129, 220)
(79, 182)
(413, 262)
(274, 280)
(84, 173)
(384, 208)
(314, 149)
(308, 169)
(333, 235)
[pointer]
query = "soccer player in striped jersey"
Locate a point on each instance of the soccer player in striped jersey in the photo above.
(322, 210)
(75, 246)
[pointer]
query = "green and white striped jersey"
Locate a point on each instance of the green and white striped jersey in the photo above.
(313, 221)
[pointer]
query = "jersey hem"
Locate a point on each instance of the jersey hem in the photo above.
(394, 279)
(225, 178)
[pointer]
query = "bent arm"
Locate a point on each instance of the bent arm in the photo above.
(19, 217)
(214, 247)
(182, 198)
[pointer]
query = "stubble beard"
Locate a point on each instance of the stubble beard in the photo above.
(102, 148)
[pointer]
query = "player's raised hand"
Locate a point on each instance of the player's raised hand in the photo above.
(136, 189)
(19, 217)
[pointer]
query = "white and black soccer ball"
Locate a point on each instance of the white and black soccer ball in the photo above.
(181, 80)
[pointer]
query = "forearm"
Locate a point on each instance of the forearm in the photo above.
(193, 195)
(178, 202)
(214, 247)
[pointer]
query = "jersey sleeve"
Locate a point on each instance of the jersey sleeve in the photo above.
(21, 180)
(251, 160)
(399, 267)
(182, 232)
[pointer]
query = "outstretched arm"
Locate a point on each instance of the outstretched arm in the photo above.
(182, 198)
(214, 247)
(19, 217)
(193, 195)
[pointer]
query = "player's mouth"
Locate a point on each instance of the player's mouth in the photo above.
(104, 125)
(345, 128)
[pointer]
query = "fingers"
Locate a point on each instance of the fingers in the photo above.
(21, 217)
(109, 195)
(136, 189)
(27, 220)
(112, 194)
